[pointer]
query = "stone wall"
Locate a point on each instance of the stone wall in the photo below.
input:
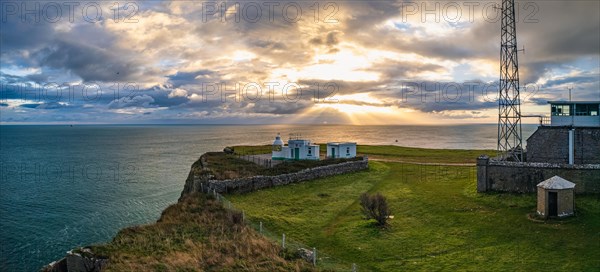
(551, 144)
(523, 177)
(244, 185)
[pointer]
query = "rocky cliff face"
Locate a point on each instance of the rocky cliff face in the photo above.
(199, 177)
(198, 174)
(80, 260)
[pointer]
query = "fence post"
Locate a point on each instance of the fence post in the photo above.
(243, 216)
(314, 256)
(260, 227)
(283, 241)
(354, 267)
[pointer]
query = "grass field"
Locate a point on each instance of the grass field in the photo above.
(392, 152)
(440, 222)
(225, 166)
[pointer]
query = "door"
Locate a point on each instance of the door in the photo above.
(297, 153)
(333, 152)
(552, 204)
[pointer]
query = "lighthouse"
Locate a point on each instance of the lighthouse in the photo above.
(278, 143)
(297, 149)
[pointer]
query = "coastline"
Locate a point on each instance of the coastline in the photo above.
(434, 184)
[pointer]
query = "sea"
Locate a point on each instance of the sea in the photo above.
(64, 186)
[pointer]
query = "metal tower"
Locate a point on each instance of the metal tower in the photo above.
(509, 103)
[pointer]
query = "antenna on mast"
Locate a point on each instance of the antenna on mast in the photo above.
(510, 142)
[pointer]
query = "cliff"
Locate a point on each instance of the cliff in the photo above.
(195, 234)
(225, 173)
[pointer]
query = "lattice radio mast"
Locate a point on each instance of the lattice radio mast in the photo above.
(509, 103)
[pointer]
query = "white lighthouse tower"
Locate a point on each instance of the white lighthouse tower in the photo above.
(278, 148)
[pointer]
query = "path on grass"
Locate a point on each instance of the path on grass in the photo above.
(265, 160)
(422, 163)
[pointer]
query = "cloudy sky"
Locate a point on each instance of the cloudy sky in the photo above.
(263, 62)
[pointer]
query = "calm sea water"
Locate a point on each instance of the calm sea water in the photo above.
(62, 186)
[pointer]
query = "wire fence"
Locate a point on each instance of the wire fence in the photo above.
(257, 159)
(310, 254)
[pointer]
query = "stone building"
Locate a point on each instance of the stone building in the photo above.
(555, 197)
(573, 135)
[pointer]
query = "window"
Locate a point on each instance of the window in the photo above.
(561, 110)
(347, 150)
(586, 109)
(309, 151)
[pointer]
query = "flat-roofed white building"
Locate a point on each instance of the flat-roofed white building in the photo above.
(575, 113)
(341, 150)
(297, 149)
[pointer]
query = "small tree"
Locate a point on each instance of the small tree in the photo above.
(375, 207)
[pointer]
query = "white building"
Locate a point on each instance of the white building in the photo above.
(575, 113)
(297, 149)
(341, 150)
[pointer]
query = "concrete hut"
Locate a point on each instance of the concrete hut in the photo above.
(555, 197)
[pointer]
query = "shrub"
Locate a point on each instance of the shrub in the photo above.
(375, 207)
(236, 217)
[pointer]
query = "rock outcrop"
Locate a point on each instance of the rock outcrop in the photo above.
(80, 260)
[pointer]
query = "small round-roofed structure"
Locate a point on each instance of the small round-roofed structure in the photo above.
(278, 143)
(555, 197)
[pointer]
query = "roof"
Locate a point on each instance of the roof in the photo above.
(557, 183)
(341, 143)
(573, 102)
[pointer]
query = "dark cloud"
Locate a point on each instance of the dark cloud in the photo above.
(90, 62)
(279, 107)
(142, 101)
(38, 78)
(29, 105)
(50, 106)
(13, 38)
(185, 78)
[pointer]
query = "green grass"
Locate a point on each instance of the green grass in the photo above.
(392, 152)
(225, 166)
(440, 222)
(252, 149)
(412, 154)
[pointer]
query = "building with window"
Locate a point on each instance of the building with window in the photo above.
(575, 113)
(341, 150)
(296, 149)
(572, 137)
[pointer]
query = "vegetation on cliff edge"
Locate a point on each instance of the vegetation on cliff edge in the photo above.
(196, 234)
(225, 166)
